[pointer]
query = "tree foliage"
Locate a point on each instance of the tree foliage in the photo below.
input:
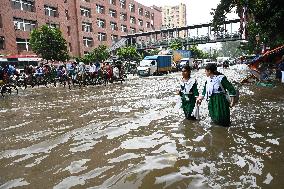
(196, 53)
(99, 54)
(265, 18)
(176, 44)
(214, 54)
(230, 49)
(49, 43)
(154, 52)
(129, 53)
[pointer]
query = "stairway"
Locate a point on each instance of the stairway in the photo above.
(117, 45)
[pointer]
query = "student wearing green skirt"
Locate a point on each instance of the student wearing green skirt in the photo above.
(214, 92)
(188, 93)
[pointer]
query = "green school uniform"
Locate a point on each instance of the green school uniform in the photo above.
(188, 93)
(215, 92)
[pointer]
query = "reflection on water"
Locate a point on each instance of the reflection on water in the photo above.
(134, 135)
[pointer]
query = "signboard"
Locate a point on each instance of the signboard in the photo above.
(29, 59)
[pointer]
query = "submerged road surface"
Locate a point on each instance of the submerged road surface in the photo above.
(133, 135)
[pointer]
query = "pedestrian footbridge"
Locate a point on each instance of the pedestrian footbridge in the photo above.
(188, 35)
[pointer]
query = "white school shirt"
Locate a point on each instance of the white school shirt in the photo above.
(186, 86)
(213, 84)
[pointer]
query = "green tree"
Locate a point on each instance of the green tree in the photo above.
(100, 53)
(154, 52)
(230, 49)
(97, 54)
(196, 53)
(214, 54)
(49, 44)
(205, 55)
(176, 44)
(79, 59)
(265, 18)
(129, 53)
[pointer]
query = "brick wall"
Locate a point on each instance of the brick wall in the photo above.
(74, 22)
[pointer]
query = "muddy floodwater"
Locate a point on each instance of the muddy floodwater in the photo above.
(134, 135)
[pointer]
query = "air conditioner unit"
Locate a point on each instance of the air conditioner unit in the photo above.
(16, 27)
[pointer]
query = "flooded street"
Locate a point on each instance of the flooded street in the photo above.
(134, 135)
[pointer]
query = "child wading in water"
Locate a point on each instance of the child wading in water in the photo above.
(188, 92)
(215, 93)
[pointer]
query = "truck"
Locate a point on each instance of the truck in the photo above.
(155, 65)
(181, 58)
(178, 55)
(186, 61)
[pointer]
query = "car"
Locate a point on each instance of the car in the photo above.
(226, 64)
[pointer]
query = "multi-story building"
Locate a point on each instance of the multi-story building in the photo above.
(85, 24)
(174, 16)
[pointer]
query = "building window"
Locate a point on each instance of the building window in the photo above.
(68, 30)
(70, 47)
(140, 22)
(112, 13)
(132, 7)
(114, 38)
(132, 30)
(88, 41)
(50, 11)
(52, 25)
(87, 27)
(22, 44)
(141, 31)
(140, 11)
(148, 24)
(123, 16)
(100, 9)
(112, 2)
(124, 28)
(67, 15)
(1, 24)
(147, 14)
(88, 1)
(113, 26)
(2, 40)
(24, 25)
(102, 36)
(132, 20)
(101, 23)
(24, 5)
(152, 16)
(85, 12)
(122, 4)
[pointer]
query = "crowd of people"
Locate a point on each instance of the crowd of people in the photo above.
(66, 74)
